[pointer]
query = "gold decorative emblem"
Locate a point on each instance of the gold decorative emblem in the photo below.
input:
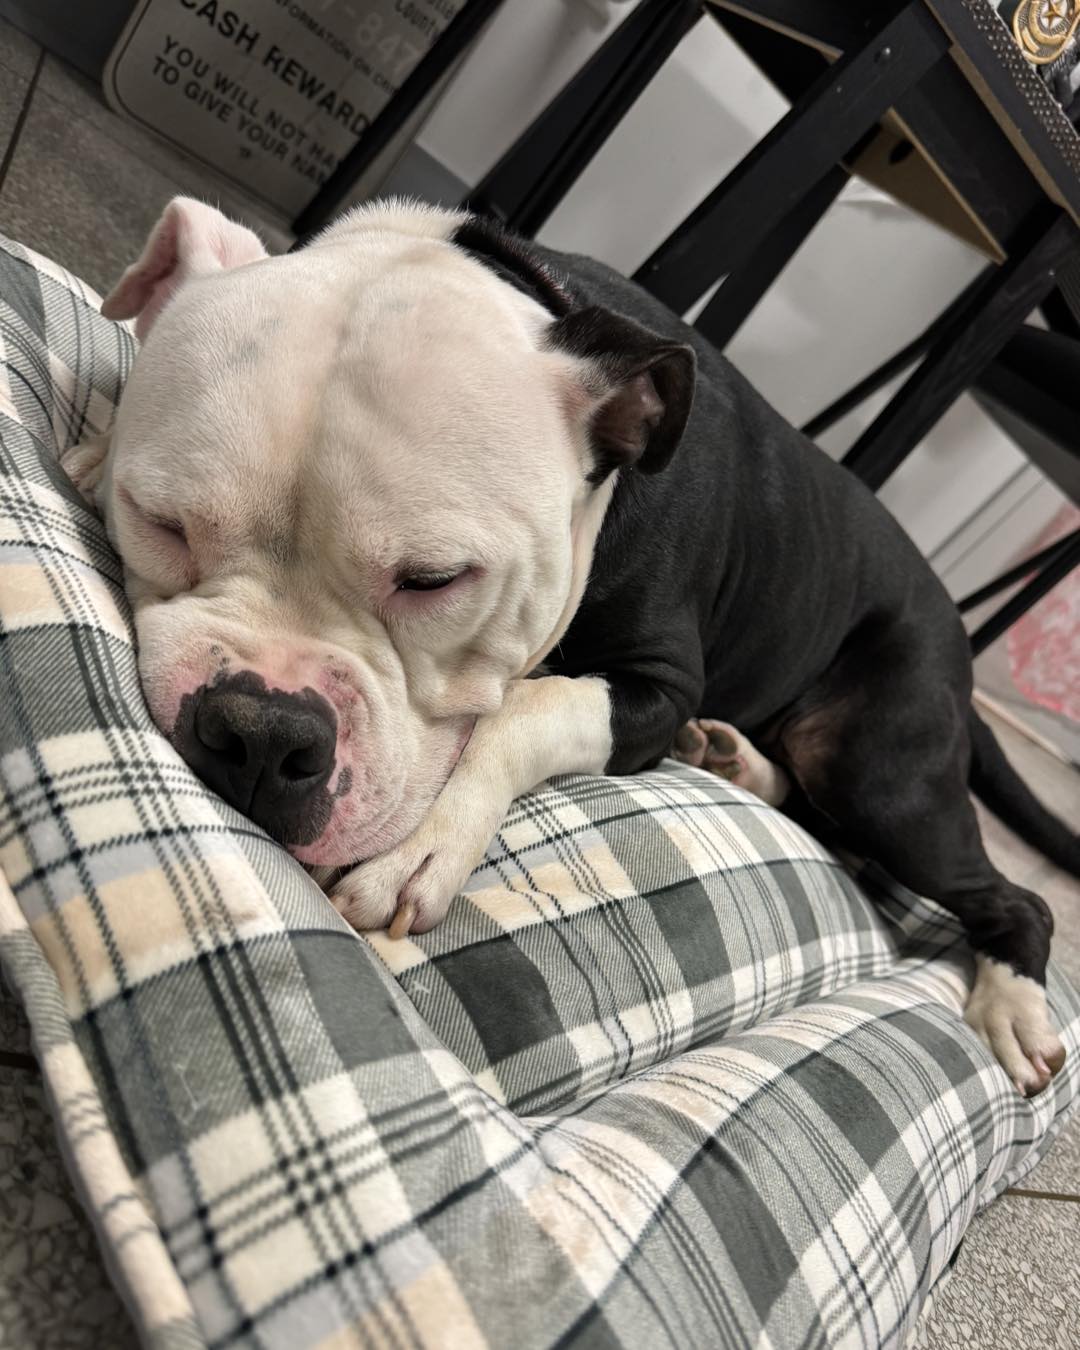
(1044, 28)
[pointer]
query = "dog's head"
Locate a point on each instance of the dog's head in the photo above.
(356, 491)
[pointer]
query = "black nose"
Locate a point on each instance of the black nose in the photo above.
(267, 752)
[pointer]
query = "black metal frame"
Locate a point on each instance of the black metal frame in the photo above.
(458, 35)
(739, 293)
(1024, 569)
(840, 107)
(1064, 556)
(543, 164)
(972, 331)
(1033, 390)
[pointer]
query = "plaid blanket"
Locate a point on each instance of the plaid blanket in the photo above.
(666, 1075)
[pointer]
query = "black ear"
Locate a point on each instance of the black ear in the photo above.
(639, 388)
(513, 261)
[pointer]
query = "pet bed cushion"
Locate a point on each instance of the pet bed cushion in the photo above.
(666, 1075)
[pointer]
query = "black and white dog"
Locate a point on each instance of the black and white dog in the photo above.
(422, 514)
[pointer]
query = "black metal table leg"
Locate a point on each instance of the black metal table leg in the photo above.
(1054, 571)
(977, 328)
(459, 33)
(534, 175)
(821, 127)
(739, 294)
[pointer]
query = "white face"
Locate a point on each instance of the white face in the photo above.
(347, 485)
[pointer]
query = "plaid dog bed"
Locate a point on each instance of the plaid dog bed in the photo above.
(665, 1076)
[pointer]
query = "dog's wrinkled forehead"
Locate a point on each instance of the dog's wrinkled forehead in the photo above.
(391, 310)
(377, 361)
(407, 362)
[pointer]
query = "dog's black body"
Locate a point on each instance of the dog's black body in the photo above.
(756, 581)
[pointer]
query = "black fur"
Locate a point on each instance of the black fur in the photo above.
(514, 261)
(644, 388)
(758, 582)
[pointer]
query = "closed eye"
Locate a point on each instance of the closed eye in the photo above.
(163, 554)
(168, 524)
(428, 581)
(173, 527)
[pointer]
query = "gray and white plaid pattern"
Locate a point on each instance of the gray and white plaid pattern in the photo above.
(666, 1075)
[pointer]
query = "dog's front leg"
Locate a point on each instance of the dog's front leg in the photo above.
(545, 726)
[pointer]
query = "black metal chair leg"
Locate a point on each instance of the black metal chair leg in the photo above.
(1035, 563)
(534, 175)
(1032, 391)
(1058, 314)
(977, 327)
(738, 295)
(1055, 570)
(459, 33)
(822, 126)
(895, 365)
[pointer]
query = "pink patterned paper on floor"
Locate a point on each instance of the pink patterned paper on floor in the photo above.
(1044, 646)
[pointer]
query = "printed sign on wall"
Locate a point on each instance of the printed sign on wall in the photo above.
(270, 92)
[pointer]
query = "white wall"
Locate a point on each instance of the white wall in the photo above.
(868, 279)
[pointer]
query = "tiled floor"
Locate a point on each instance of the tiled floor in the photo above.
(84, 187)
(81, 184)
(1017, 1277)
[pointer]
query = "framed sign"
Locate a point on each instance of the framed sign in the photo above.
(272, 93)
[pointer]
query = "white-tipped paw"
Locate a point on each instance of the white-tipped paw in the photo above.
(408, 889)
(1009, 1013)
(723, 750)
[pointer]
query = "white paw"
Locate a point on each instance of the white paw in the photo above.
(84, 464)
(408, 889)
(1009, 1013)
(723, 750)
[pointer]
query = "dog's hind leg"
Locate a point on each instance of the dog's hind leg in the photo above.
(881, 748)
(723, 750)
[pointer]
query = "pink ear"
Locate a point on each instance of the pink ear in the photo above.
(190, 240)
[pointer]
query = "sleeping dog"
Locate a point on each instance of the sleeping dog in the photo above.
(423, 514)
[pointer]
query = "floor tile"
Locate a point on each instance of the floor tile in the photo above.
(1054, 782)
(14, 1028)
(85, 102)
(1060, 1169)
(12, 96)
(18, 52)
(54, 1294)
(1014, 1282)
(72, 194)
(1062, 893)
(993, 673)
(1009, 854)
(85, 188)
(18, 60)
(1058, 786)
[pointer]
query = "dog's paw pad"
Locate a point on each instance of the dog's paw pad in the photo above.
(725, 742)
(731, 756)
(690, 745)
(1009, 1013)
